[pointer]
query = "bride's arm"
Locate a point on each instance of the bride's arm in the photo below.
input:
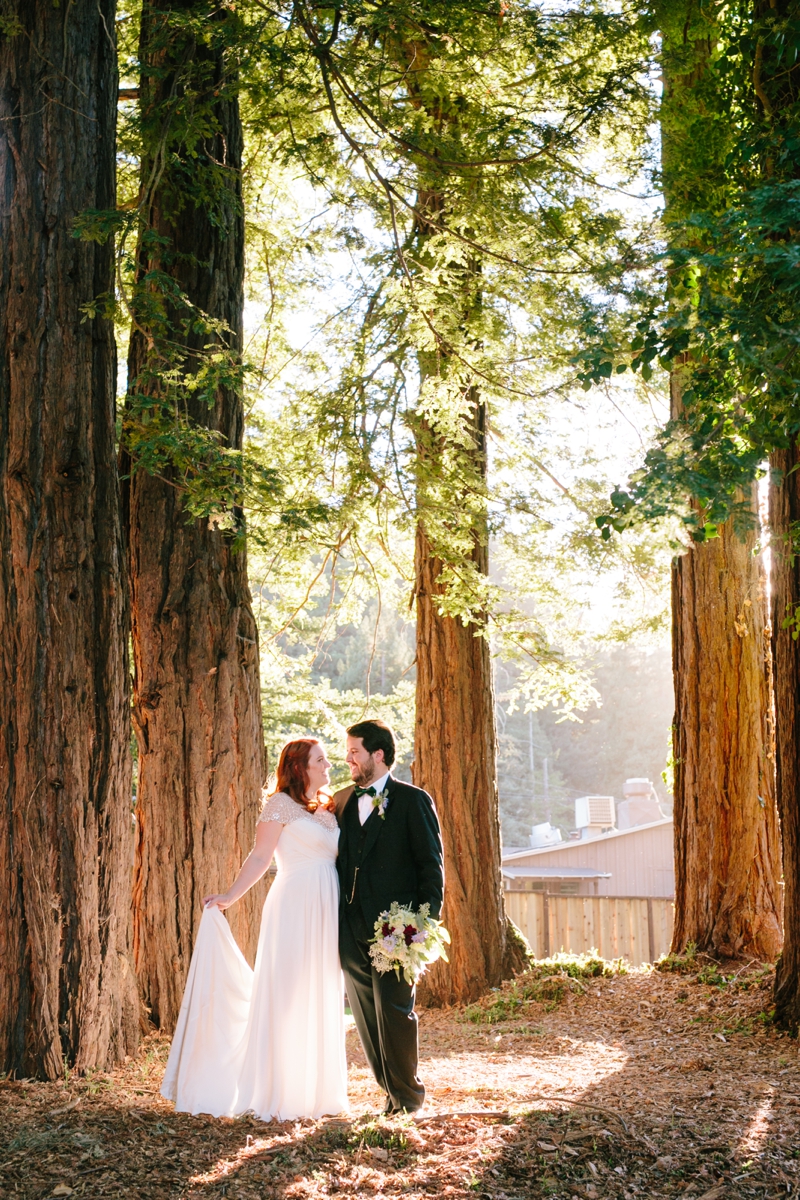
(253, 867)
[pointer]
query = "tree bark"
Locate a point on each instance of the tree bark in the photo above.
(455, 740)
(67, 994)
(455, 757)
(726, 829)
(455, 760)
(776, 83)
(784, 507)
(727, 846)
(197, 707)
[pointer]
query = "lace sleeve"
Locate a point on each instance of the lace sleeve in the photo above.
(282, 808)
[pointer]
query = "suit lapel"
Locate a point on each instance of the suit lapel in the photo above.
(343, 809)
(375, 823)
(347, 834)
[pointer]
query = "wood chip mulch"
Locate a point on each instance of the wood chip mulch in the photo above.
(637, 1085)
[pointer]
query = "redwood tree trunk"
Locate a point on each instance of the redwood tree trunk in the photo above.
(455, 759)
(66, 991)
(197, 709)
(784, 504)
(455, 740)
(727, 847)
(780, 86)
(726, 829)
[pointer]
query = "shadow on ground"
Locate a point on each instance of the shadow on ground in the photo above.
(636, 1086)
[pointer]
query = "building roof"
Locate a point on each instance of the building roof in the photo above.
(515, 852)
(554, 873)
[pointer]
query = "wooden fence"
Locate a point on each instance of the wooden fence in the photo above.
(637, 928)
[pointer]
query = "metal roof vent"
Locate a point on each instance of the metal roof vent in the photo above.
(594, 815)
(544, 835)
(640, 806)
(638, 787)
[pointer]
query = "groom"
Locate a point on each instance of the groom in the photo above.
(390, 848)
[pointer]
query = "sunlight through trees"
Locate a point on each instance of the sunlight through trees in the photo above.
(455, 343)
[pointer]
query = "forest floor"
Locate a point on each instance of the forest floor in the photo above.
(646, 1084)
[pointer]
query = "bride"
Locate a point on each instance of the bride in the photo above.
(271, 1041)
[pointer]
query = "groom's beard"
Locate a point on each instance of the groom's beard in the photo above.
(364, 777)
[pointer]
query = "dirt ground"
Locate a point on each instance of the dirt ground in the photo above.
(644, 1084)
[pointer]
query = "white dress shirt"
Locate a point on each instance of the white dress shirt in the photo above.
(367, 803)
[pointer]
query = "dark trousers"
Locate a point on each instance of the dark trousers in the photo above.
(383, 1009)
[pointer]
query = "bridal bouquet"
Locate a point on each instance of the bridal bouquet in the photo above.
(407, 941)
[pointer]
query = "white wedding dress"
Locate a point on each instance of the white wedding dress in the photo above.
(269, 1041)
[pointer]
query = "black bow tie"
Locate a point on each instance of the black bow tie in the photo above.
(367, 791)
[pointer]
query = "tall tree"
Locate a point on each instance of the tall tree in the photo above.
(739, 261)
(67, 993)
(726, 830)
(197, 710)
(455, 759)
(468, 134)
(776, 83)
(727, 842)
(455, 739)
(784, 505)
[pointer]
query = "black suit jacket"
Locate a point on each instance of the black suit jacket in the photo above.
(402, 858)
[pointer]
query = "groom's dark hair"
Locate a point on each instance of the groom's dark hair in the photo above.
(376, 735)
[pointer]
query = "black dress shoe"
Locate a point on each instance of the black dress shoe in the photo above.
(394, 1110)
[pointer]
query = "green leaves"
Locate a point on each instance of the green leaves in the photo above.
(447, 155)
(11, 27)
(792, 621)
(729, 325)
(98, 225)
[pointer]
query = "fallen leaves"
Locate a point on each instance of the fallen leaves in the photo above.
(696, 1064)
(600, 1100)
(65, 1108)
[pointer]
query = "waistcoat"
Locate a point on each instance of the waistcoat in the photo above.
(356, 836)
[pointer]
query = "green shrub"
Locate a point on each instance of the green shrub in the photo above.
(546, 982)
(374, 1133)
(708, 970)
(679, 964)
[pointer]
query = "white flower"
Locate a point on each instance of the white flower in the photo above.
(390, 951)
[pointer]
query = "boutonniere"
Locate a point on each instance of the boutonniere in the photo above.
(380, 802)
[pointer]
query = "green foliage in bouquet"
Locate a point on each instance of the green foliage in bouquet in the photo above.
(408, 941)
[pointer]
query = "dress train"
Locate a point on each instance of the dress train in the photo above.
(269, 1041)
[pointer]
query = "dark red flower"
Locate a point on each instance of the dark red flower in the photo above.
(408, 934)
(387, 929)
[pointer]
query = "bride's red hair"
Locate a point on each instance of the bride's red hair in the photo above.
(291, 776)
